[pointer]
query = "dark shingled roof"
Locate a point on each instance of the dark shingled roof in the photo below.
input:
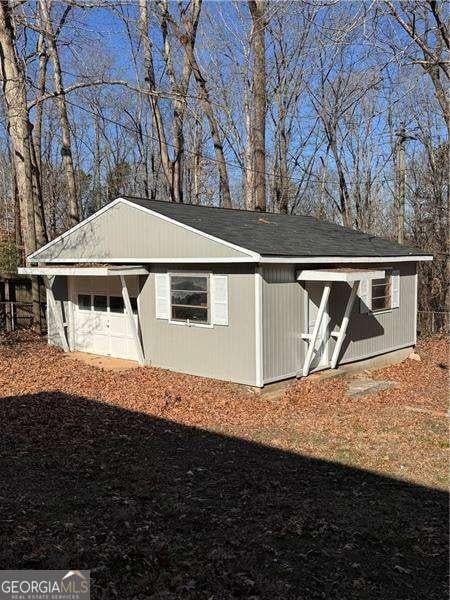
(271, 234)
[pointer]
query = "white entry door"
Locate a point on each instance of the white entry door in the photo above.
(321, 357)
(100, 325)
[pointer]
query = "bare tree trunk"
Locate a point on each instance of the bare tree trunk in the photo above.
(14, 89)
(97, 200)
(41, 228)
(180, 88)
(152, 97)
(257, 11)
(19, 129)
(197, 164)
(344, 197)
(225, 196)
(66, 146)
(400, 185)
(248, 157)
(281, 178)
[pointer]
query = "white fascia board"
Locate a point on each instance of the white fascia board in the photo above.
(348, 277)
(343, 259)
(87, 271)
(254, 256)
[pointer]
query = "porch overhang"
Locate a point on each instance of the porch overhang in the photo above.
(339, 275)
(329, 276)
(121, 271)
(100, 271)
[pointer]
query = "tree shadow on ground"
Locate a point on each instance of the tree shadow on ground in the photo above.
(160, 510)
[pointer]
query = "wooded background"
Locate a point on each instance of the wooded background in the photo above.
(332, 108)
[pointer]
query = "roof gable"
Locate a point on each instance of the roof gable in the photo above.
(124, 231)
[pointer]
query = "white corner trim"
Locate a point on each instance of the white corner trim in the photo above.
(343, 259)
(416, 292)
(70, 303)
(258, 329)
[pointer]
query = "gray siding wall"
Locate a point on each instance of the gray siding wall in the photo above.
(60, 292)
(375, 333)
(222, 352)
(283, 317)
(125, 231)
(284, 312)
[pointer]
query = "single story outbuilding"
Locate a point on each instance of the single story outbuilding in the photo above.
(235, 295)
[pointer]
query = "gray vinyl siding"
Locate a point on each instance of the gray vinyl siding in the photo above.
(60, 292)
(283, 317)
(374, 333)
(284, 320)
(222, 352)
(127, 232)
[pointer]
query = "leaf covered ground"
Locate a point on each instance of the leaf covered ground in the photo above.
(168, 486)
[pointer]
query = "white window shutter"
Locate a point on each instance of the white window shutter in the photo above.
(162, 304)
(219, 299)
(364, 296)
(395, 289)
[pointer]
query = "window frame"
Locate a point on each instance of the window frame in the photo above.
(134, 300)
(85, 310)
(186, 323)
(388, 277)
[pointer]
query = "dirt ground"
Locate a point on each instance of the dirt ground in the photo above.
(170, 486)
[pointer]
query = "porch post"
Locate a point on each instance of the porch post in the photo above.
(129, 311)
(344, 325)
(55, 312)
(313, 339)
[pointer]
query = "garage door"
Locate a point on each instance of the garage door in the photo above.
(100, 323)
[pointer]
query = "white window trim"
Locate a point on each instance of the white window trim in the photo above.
(206, 274)
(391, 308)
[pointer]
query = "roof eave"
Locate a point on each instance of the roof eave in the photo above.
(345, 259)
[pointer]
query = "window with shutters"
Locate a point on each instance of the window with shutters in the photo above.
(381, 293)
(189, 298)
(378, 295)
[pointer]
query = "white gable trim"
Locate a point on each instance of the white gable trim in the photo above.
(253, 255)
